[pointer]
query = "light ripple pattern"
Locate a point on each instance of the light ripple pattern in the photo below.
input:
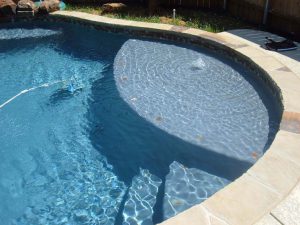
(186, 187)
(21, 33)
(138, 207)
(50, 173)
(196, 96)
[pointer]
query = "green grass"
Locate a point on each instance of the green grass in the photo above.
(209, 21)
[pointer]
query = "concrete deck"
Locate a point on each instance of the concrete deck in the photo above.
(269, 192)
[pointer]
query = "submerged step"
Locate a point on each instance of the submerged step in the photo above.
(186, 187)
(206, 100)
(138, 208)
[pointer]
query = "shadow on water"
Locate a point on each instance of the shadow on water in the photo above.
(60, 95)
(129, 142)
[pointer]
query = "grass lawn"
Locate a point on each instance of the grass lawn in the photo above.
(205, 20)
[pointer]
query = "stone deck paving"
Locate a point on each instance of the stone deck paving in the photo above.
(269, 192)
(256, 38)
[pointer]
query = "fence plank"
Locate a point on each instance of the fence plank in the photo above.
(284, 15)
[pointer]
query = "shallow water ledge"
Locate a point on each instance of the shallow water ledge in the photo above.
(255, 195)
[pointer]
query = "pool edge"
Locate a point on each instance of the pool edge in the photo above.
(257, 192)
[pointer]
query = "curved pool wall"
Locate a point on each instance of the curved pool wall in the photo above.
(215, 165)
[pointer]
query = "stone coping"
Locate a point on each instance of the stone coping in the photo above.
(251, 198)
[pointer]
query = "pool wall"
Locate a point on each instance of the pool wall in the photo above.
(257, 193)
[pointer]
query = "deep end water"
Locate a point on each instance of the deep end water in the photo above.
(100, 128)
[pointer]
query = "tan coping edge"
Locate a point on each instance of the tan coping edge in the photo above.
(252, 196)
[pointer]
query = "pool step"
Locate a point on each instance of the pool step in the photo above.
(186, 187)
(138, 208)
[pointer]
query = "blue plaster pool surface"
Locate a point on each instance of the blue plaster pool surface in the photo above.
(150, 129)
(21, 33)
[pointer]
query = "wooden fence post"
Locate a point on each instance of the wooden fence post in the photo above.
(225, 4)
(266, 11)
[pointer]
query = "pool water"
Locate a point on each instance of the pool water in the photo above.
(99, 128)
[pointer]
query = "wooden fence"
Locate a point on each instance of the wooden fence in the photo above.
(289, 8)
(283, 15)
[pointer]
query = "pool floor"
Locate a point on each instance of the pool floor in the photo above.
(99, 128)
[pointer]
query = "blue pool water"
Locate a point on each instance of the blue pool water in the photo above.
(99, 128)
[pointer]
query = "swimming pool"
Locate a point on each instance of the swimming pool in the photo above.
(149, 129)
